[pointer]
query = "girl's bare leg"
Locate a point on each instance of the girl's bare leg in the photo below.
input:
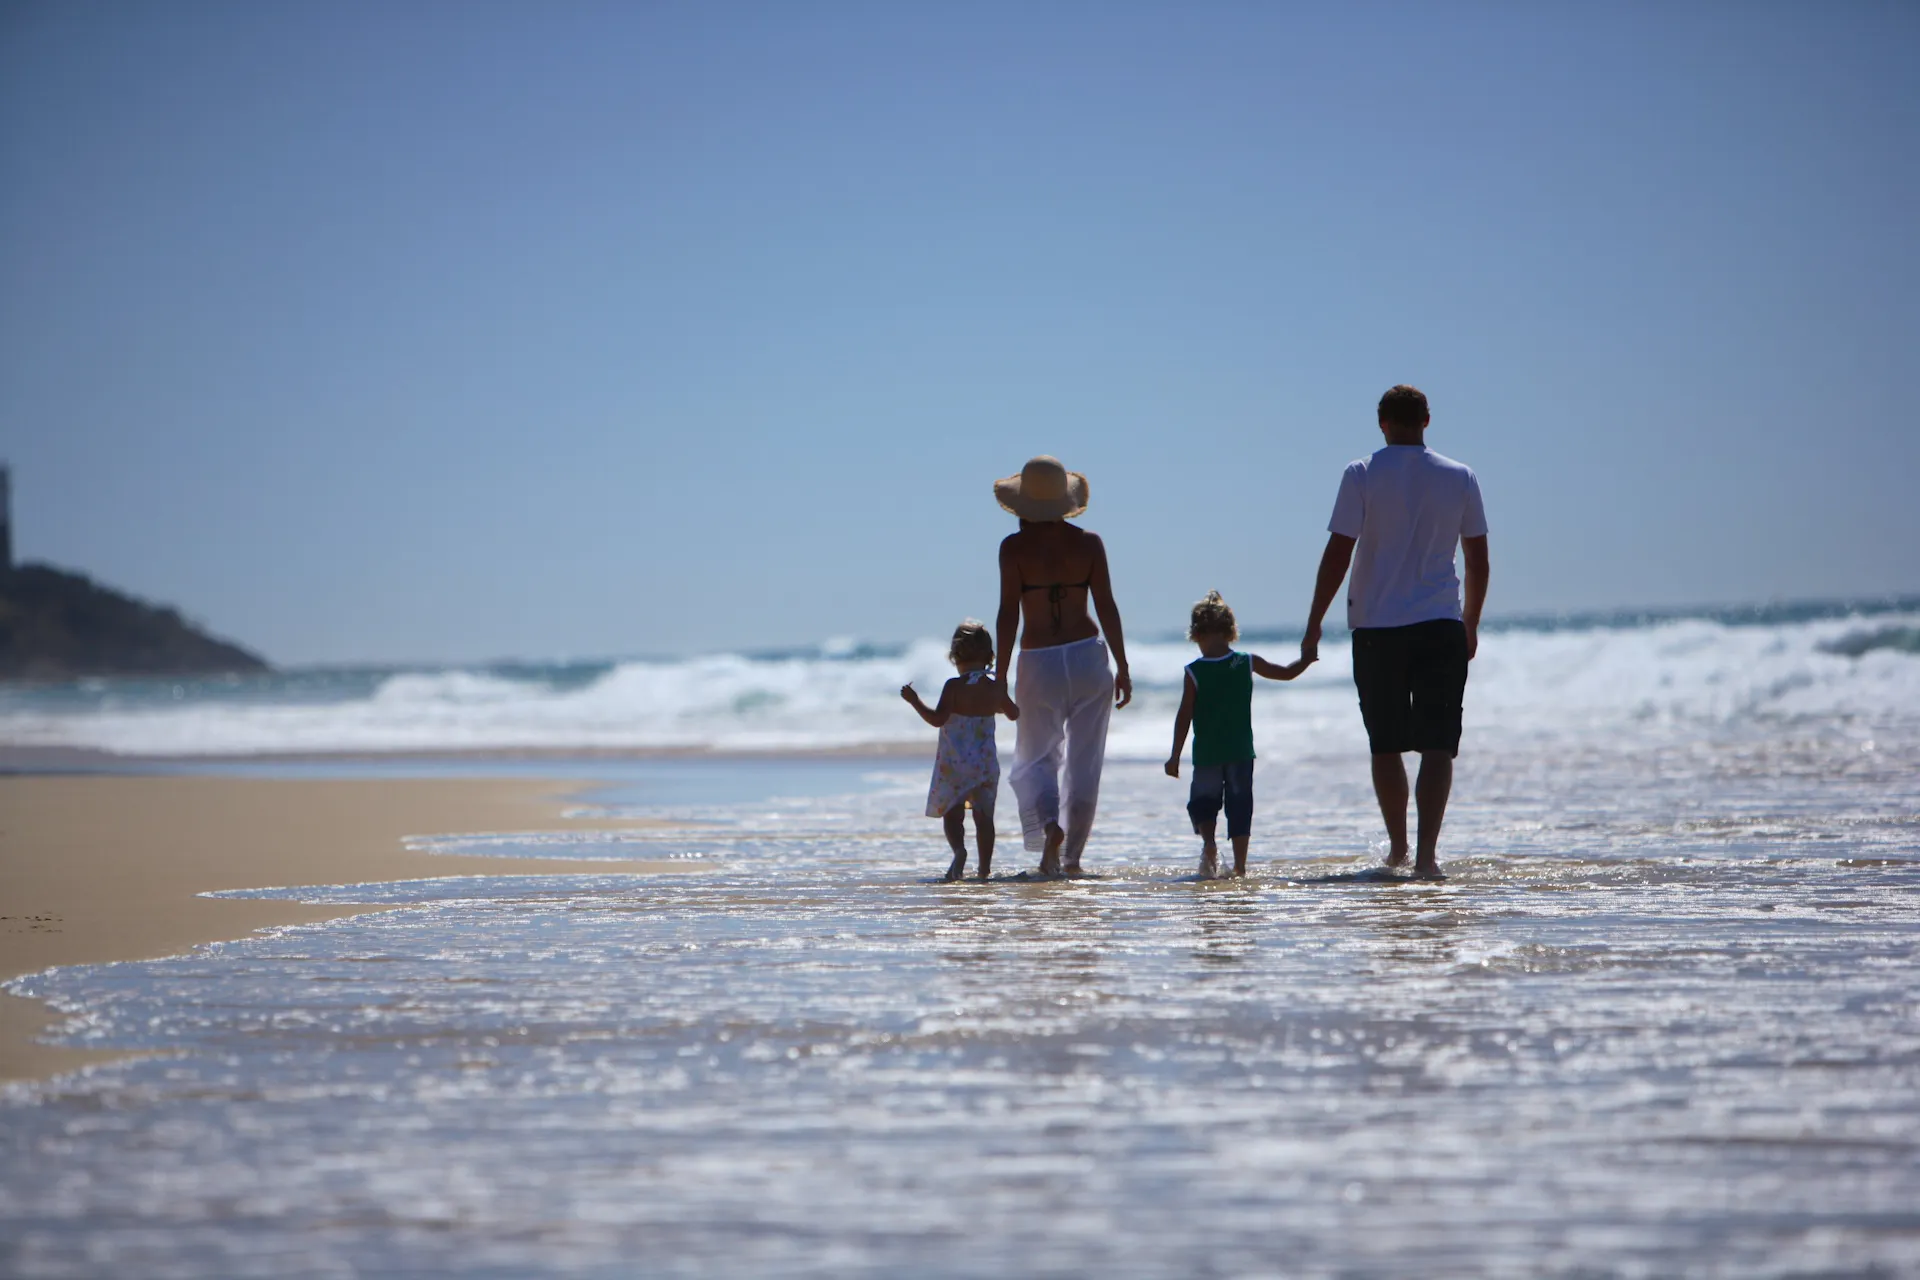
(955, 821)
(983, 836)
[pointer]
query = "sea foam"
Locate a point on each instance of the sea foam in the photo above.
(1637, 678)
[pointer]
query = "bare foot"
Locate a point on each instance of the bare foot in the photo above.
(1072, 871)
(1209, 863)
(1397, 859)
(957, 870)
(1429, 870)
(1050, 857)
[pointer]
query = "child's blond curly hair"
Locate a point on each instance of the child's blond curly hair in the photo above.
(1213, 617)
(971, 641)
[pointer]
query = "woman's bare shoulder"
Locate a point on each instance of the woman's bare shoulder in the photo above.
(1010, 548)
(1087, 541)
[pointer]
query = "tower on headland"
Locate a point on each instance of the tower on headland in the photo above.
(6, 523)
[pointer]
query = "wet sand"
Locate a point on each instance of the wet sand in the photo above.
(105, 868)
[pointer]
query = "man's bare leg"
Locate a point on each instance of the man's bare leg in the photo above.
(1209, 853)
(1390, 787)
(983, 836)
(1050, 856)
(1430, 801)
(955, 821)
(1240, 855)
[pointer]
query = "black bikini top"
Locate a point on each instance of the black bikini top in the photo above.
(1056, 592)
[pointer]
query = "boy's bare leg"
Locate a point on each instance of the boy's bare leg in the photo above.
(983, 836)
(955, 821)
(1240, 855)
(1209, 853)
(1430, 801)
(1050, 856)
(1390, 787)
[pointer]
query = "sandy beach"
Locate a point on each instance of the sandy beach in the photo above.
(108, 868)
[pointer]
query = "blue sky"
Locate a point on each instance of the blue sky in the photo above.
(448, 331)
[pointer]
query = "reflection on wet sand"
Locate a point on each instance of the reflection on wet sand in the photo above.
(1415, 928)
(1227, 922)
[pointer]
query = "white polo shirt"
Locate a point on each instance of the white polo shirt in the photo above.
(1407, 508)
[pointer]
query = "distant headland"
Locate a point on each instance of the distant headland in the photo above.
(58, 625)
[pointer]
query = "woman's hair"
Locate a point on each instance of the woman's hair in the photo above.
(1213, 617)
(971, 640)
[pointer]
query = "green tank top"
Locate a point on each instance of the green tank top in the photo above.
(1222, 709)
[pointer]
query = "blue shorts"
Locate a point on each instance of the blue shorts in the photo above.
(1215, 785)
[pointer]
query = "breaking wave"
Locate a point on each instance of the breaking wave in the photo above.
(1651, 676)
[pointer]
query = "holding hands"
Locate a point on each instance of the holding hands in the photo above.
(1274, 671)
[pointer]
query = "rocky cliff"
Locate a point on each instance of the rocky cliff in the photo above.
(56, 625)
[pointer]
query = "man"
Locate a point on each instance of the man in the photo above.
(1397, 520)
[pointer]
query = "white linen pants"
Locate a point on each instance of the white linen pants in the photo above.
(1065, 696)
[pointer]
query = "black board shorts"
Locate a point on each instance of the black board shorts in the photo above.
(1412, 681)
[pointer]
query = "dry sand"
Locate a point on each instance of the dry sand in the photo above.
(102, 868)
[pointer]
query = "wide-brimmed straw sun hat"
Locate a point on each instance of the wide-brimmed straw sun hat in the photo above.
(1044, 490)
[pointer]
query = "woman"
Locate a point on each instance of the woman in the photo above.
(1050, 571)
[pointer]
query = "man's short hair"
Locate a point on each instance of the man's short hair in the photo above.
(1404, 406)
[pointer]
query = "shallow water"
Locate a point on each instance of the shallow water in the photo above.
(1662, 1019)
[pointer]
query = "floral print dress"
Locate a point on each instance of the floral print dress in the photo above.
(967, 761)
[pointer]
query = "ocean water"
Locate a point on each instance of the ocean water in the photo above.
(1662, 1019)
(1549, 678)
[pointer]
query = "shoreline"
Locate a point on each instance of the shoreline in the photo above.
(100, 867)
(19, 761)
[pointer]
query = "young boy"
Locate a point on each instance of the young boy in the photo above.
(1218, 706)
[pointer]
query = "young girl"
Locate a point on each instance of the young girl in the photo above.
(1218, 704)
(966, 768)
